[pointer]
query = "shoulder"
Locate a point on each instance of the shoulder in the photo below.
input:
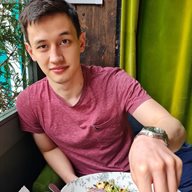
(99, 69)
(32, 92)
(35, 87)
(105, 72)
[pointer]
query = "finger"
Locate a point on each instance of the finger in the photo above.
(166, 178)
(174, 171)
(172, 179)
(143, 179)
(160, 177)
(144, 185)
(179, 167)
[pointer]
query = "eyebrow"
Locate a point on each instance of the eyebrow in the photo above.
(65, 33)
(61, 34)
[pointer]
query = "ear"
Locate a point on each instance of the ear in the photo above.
(82, 40)
(30, 51)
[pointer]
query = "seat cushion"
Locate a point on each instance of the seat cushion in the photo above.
(46, 176)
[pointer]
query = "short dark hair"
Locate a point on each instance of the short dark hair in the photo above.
(36, 9)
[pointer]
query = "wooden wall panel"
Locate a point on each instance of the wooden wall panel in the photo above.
(99, 23)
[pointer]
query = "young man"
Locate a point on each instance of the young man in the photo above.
(78, 114)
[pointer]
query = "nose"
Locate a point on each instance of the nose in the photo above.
(56, 55)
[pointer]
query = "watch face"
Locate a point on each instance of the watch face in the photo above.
(159, 130)
(155, 132)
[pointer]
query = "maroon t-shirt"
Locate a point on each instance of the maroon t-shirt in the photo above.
(94, 134)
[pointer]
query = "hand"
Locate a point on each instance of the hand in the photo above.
(152, 162)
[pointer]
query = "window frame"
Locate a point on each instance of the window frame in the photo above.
(34, 75)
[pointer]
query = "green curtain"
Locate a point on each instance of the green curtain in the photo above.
(156, 42)
(129, 16)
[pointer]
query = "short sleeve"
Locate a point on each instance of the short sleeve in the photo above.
(28, 119)
(130, 92)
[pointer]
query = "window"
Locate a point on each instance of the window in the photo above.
(14, 62)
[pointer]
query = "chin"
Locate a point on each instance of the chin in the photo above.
(60, 81)
(57, 80)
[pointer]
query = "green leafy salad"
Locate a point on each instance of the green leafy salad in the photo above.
(107, 186)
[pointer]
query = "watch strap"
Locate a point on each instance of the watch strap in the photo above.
(155, 132)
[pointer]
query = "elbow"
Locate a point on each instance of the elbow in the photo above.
(182, 132)
(180, 135)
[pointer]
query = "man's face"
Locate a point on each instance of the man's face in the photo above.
(54, 45)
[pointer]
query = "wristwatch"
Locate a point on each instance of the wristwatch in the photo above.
(154, 132)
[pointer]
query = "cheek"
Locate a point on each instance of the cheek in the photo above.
(75, 53)
(42, 61)
(72, 55)
(44, 68)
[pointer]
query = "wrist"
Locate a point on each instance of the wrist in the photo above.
(70, 178)
(154, 132)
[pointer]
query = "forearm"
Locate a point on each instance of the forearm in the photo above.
(61, 165)
(150, 160)
(150, 113)
(174, 130)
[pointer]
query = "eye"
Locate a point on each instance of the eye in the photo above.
(42, 47)
(65, 42)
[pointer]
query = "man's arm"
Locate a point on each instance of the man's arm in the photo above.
(151, 161)
(150, 113)
(55, 157)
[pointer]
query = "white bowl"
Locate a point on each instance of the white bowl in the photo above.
(82, 184)
(122, 179)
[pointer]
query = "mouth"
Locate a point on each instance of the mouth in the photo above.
(59, 69)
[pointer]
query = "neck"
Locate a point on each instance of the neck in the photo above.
(70, 91)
